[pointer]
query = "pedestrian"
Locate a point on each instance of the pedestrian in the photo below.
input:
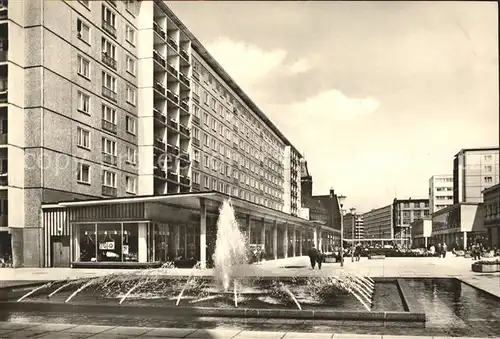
(357, 252)
(432, 250)
(439, 250)
(313, 255)
(320, 258)
(445, 248)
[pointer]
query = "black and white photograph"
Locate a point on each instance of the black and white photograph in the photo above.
(249, 169)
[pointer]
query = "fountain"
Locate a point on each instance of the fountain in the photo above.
(250, 289)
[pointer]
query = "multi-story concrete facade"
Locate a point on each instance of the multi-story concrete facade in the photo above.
(378, 223)
(421, 230)
(440, 192)
(491, 200)
(461, 224)
(405, 212)
(353, 221)
(474, 170)
(292, 183)
(108, 99)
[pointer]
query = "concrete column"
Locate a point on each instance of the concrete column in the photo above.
(263, 233)
(143, 242)
(203, 234)
(315, 237)
(465, 241)
(425, 242)
(320, 241)
(249, 228)
(301, 238)
(177, 240)
(285, 241)
(275, 240)
(294, 241)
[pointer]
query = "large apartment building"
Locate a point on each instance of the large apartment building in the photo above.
(104, 99)
(405, 212)
(440, 192)
(353, 226)
(378, 223)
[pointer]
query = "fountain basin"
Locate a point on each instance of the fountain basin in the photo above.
(392, 302)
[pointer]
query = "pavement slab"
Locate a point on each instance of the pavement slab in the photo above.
(169, 332)
(213, 333)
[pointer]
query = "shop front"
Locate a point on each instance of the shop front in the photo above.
(149, 231)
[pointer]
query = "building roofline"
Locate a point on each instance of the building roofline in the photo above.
(492, 188)
(210, 60)
(463, 150)
(378, 208)
(410, 199)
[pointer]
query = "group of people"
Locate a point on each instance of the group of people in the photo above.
(316, 257)
(440, 250)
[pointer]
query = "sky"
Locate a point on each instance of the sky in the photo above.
(378, 96)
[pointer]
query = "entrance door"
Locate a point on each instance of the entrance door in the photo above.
(60, 251)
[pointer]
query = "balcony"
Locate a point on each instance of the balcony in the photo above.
(108, 60)
(196, 164)
(109, 159)
(196, 98)
(109, 126)
(172, 177)
(158, 58)
(184, 157)
(3, 138)
(235, 163)
(184, 54)
(196, 142)
(184, 130)
(173, 124)
(173, 97)
(109, 28)
(235, 145)
(184, 105)
(159, 144)
(159, 30)
(235, 128)
(4, 11)
(160, 117)
(159, 173)
(196, 75)
(160, 88)
(109, 191)
(172, 43)
(108, 93)
(4, 179)
(196, 120)
(174, 150)
(195, 186)
(172, 70)
(185, 181)
(184, 79)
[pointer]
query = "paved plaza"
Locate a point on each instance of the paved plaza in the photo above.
(206, 327)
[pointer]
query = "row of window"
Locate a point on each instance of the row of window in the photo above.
(416, 214)
(109, 82)
(218, 185)
(444, 197)
(218, 88)
(108, 178)
(250, 165)
(442, 189)
(276, 148)
(108, 114)
(416, 205)
(109, 147)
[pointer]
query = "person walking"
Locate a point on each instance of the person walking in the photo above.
(445, 248)
(357, 252)
(313, 255)
(320, 258)
(439, 250)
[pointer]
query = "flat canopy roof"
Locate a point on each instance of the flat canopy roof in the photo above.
(189, 200)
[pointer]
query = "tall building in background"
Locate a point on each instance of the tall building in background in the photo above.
(353, 221)
(405, 212)
(440, 192)
(378, 223)
(474, 170)
(103, 99)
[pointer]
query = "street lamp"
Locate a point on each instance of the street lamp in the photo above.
(353, 216)
(340, 200)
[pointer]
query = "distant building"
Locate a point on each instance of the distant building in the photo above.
(474, 170)
(421, 230)
(440, 192)
(405, 212)
(355, 220)
(322, 208)
(491, 198)
(378, 223)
